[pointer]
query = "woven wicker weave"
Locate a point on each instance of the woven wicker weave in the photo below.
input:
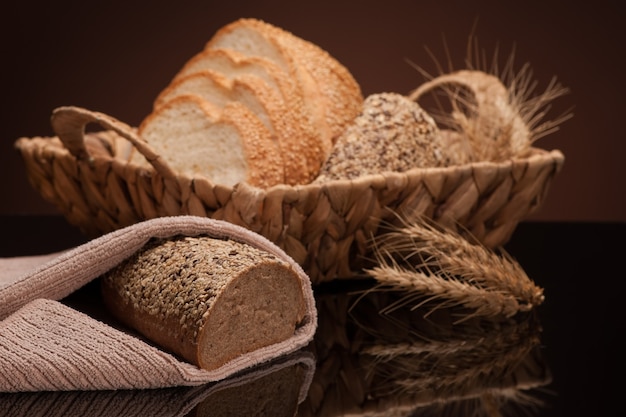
(325, 227)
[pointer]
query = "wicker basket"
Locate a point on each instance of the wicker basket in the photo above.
(325, 227)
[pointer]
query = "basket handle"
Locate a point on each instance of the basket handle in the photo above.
(68, 122)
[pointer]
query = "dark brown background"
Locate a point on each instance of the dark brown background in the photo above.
(116, 56)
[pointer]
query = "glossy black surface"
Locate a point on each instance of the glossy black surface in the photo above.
(567, 354)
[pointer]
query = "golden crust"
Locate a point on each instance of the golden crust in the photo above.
(287, 51)
(263, 153)
(336, 86)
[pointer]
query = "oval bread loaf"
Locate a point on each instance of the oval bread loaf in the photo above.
(205, 299)
(392, 133)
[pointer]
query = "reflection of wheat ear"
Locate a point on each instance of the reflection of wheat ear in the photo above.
(441, 265)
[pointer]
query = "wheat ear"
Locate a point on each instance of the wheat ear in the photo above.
(503, 123)
(433, 264)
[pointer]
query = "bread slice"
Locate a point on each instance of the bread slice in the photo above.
(324, 79)
(228, 145)
(205, 299)
(263, 100)
(336, 85)
(249, 41)
(300, 148)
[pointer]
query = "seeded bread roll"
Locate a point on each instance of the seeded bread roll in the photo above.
(207, 300)
(392, 133)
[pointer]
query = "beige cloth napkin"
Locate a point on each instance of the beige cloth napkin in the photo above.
(48, 346)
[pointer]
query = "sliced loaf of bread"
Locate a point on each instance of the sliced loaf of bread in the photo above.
(256, 74)
(258, 96)
(329, 112)
(336, 87)
(228, 145)
(300, 145)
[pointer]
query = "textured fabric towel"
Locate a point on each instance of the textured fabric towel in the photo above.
(46, 345)
(279, 385)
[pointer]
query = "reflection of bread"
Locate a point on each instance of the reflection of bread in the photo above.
(302, 94)
(276, 394)
(392, 133)
(206, 300)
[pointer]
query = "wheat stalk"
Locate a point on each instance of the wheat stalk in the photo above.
(497, 110)
(445, 291)
(457, 256)
(432, 264)
(521, 85)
